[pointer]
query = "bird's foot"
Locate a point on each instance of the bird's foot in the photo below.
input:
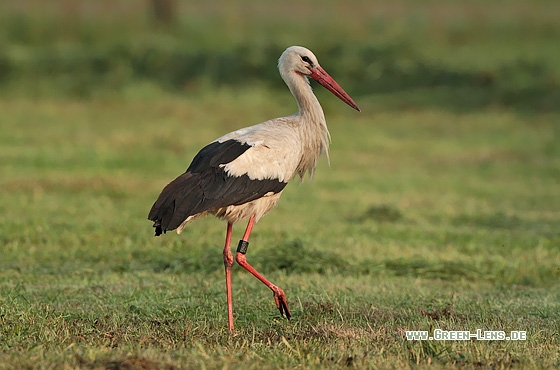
(281, 301)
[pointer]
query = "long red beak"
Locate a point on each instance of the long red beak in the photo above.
(321, 76)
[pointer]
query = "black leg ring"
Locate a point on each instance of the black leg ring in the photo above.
(243, 246)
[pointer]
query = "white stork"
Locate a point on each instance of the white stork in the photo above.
(241, 175)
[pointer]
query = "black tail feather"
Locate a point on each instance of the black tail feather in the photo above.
(165, 212)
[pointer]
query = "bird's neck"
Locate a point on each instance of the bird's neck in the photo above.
(307, 102)
(315, 134)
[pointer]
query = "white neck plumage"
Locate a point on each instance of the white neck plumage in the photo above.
(315, 134)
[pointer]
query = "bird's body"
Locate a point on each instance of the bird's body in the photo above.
(256, 161)
(241, 175)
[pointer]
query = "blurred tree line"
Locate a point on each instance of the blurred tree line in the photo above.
(81, 57)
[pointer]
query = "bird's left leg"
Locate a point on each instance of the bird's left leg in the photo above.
(228, 262)
(279, 295)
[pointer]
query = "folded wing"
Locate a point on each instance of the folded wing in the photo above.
(207, 186)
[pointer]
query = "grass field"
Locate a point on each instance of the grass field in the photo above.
(440, 209)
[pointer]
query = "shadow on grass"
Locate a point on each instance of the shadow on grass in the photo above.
(295, 257)
(500, 220)
(447, 270)
(128, 363)
(380, 214)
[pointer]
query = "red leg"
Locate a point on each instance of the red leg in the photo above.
(279, 295)
(228, 261)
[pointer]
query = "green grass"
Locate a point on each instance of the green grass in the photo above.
(443, 229)
(440, 209)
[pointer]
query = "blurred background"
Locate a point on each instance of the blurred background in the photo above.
(459, 55)
(446, 185)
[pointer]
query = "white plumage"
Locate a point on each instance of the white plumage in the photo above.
(241, 175)
(274, 154)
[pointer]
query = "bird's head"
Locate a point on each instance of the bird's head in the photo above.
(300, 60)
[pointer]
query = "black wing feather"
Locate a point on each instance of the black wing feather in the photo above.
(206, 186)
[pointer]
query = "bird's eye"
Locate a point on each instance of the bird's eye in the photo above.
(307, 60)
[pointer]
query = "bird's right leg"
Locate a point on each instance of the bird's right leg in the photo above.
(228, 262)
(279, 295)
